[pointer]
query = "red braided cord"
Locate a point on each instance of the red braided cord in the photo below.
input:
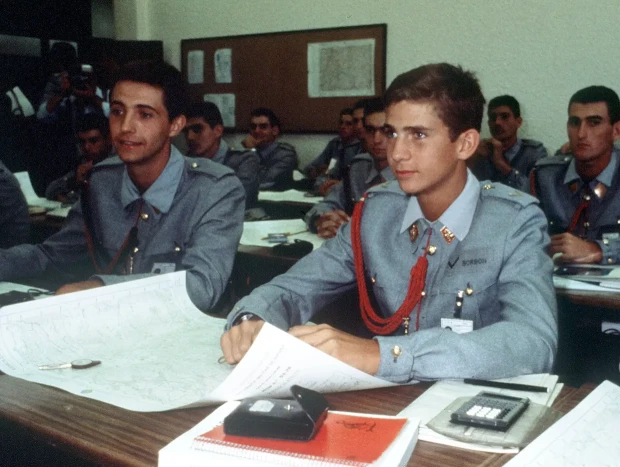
(91, 247)
(573, 222)
(417, 278)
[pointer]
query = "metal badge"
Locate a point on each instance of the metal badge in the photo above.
(447, 235)
(413, 233)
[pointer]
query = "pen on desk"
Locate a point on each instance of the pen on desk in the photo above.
(501, 385)
(288, 234)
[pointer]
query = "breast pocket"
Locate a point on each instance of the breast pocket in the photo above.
(479, 301)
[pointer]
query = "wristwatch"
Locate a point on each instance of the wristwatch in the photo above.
(244, 317)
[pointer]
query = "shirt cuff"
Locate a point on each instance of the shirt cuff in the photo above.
(396, 359)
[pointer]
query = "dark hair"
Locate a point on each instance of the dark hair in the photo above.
(373, 105)
(455, 93)
(265, 112)
(593, 94)
(160, 75)
(62, 57)
(346, 111)
(208, 111)
(94, 121)
(508, 101)
(361, 104)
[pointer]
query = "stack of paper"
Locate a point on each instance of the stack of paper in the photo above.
(586, 436)
(291, 196)
(256, 233)
(193, 449)
(586, 277)
(32, 198)
(443, 393)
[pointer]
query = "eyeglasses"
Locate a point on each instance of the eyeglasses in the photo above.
(262, 126)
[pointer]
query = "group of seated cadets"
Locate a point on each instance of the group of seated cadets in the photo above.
(149, 209)
(431, 254)
(365, 171)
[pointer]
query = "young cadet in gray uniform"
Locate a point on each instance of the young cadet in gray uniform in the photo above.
(14, 217)
(366, 170)
(342, 149)
(506, 158)
(479, 301)
(150, 210)
(580, 194)
(93, 136)
(203, 132)
(278, 160)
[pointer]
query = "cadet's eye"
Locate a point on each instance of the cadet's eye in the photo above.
(145, 115)
(419, 135)
(116, 111)
(389, 133)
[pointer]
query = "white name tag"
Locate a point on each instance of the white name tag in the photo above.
(163, 268)
(460, 326)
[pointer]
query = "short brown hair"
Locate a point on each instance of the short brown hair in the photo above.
(455, 93)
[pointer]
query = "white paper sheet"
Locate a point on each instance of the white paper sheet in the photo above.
(295, 196)
(32, 198)
(255, 233)
(195, 66)
(586, 436)
(222, 65)
(158, 351)
(443, 393)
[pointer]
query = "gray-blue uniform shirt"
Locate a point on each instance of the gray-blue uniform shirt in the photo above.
(14, 217)
(191, 219)
(560, 191)
(522, 157)
(278, 161)
(246, 165)
(512, 304)
(342, 152)
(362, 175)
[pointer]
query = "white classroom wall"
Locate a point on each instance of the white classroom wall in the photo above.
(540, 51)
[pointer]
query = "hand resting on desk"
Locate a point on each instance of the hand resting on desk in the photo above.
(77, 286)
(574, 250)
(327, 224)
(359, 353)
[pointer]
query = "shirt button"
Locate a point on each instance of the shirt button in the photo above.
(194, 165)
(144, 216)
(610, 260)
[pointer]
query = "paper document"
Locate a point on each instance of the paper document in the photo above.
(32, 198)
(586, 436)
(60, 212)
(571, 284)
(255, 233)
(158, 351)
(294, 196)
(443, 393)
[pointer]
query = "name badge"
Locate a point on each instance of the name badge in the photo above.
(460, 326)
(163, 268)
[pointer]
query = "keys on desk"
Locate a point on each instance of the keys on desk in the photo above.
(80, 364)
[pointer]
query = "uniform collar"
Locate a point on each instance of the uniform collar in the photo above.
(161, 193)
(514, 150)
(605, 177)
(220, 155)
(459, 215)
(266, 152)
(386, 173)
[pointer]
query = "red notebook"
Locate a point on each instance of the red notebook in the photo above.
(344, 439)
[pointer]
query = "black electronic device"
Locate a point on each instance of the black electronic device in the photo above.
(291, 419)
(490, 410)
(14, 296)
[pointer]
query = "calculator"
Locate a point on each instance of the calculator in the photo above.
(490, 410)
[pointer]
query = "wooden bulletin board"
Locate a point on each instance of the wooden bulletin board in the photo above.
(271, 70)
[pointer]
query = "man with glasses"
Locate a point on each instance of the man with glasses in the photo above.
(278, 159)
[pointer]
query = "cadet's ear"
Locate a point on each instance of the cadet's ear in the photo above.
(467, 143)
(177, 126)
(616, 130)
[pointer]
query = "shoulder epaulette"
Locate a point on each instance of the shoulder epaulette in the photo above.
(390, 186)
(288, 146)
(207, 167)
(107, 163)
(531, 142)
(504, 192)
(362, 157)
(559, 160)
